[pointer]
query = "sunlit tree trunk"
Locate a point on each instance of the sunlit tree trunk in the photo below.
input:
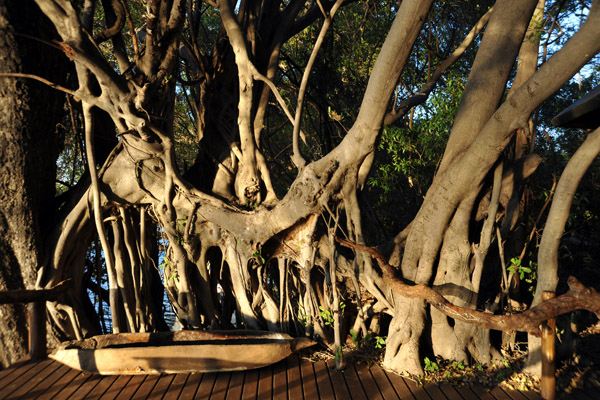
(29, 140)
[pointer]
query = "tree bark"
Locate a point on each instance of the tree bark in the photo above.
(554, 229)
(28, 149)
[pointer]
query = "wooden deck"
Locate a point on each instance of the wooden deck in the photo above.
(290, 379)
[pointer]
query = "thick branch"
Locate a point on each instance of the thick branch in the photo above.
(29, 296)
(39, 79)
(296, 155)
(560, 211)
(427, 88)
(578, 297)
(116, 13)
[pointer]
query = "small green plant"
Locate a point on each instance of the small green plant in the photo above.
(303, 317)
(479, 367)
(380, 341)
(163, 267)
(338, 354)
(459, 365)
(354, 336)
(258, 255)
(559, 334)
(431, 366)
(164, 264)
(181, 222)
(527, 274)
(326, 316)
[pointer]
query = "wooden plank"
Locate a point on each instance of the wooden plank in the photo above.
(532, 395)
(47, 385)
(221, 386)
(98, 390)
(450, 392)
(20, 367)
(146, 387)
(522, 395)
(116, 387)
(205, 389)
(280, 381)
(338, 381)
(74, 385)
(500, 394)
(250, 385)
(505, 394)
(309, 383)
(34, 382)
(481, 392)
(434, 391)
(385, 387)
(131, 387)
(162, 386)
(236, 385)
(294, 378)
(22, 379)
(177, 386)
(265, 383)
(353, 383)
(324, 384)
(191, 386)
(466, 392)
(367, 382)
(399, 384)
(417, 391)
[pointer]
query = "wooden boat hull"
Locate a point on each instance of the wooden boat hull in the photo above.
(177, 352)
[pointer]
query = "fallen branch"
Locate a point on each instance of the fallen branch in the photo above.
(30, 296)
(578, 297)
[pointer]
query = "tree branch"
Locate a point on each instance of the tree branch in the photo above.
(39, 79)
(29, 296)
(578, 297)
(427, 88)
(560, 211)
(296, 155)
(116, 12)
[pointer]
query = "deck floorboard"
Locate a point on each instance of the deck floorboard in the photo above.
(290, 379)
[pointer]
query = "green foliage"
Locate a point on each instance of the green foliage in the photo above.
(338, 354)
(354, 336)
(457, 365)
(326, 316)
(430, 366)
(408, 156)
(258, 256)
(164, 268)
(380, 341)
(526, 274)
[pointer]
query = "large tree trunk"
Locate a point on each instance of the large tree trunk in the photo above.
(442, 226)
(29, 142)
(481, 132)
(270, 256)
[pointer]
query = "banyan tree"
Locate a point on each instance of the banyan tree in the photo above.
(204, 215)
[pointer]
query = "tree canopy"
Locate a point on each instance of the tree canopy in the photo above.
(215, 152)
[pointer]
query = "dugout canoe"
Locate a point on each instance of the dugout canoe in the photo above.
(177, 352)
